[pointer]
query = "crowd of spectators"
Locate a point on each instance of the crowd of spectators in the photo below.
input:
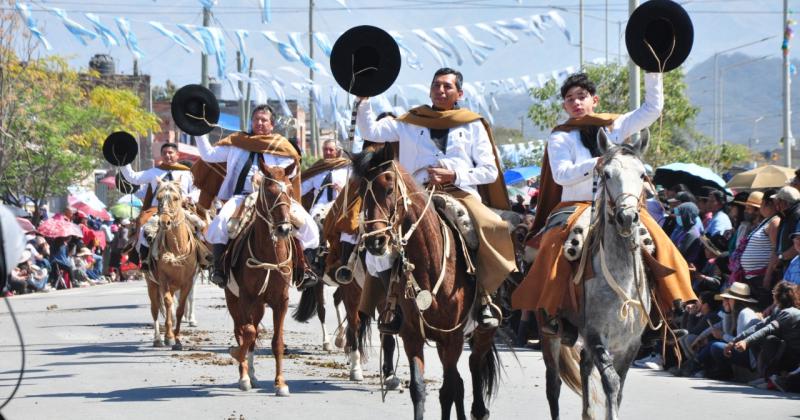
(743, 257)
(58, 263)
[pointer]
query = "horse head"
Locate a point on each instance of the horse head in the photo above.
(380, 188)
(168, 194)
(622, 180)
(274, 199)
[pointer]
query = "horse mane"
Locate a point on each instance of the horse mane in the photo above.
(168, 188)
(371, 158)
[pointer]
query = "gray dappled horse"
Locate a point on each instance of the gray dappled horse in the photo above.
(616, 301)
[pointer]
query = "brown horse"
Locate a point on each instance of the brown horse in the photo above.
(400, 218)
(174, 253)
(261, 261)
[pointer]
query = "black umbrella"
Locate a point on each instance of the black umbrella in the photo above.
(695, 177)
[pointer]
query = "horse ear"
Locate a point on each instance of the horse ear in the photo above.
(643, 143)
(603, 143)
(388, 152)
(289, 170)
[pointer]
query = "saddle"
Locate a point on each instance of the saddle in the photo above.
(456, 217)
(242, 216)
(573, 246)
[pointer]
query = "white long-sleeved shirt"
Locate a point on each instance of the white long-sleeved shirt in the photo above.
(339, 176)
(235, 159)
(151, 176)
(468, 152)
(572, 164)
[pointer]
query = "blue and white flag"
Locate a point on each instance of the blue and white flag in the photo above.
(130, 38)
(106, 34)
(241, 34)
(495, 32)
(218, 41)
(208, 4)
(266, 12)
(435, 48)
(474, 46)
(559, 22)
(448, 40)
(171, 35)
(25, 12)
(73, 27)
(194, 32)
(316, 96)
(323, 43)
(286, 50)
(276, 87)
(294, 40)
(411, 57)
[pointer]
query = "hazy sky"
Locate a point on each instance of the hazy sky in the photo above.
(719, 25)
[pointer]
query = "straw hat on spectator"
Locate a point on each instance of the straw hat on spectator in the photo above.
(84, 252)
(26, 255)
(753, 200)
(738, 291)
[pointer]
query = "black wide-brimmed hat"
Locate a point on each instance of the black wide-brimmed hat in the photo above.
(365, 61)
(120, 148)
(667, 28)
(123, 185)
(195, 109)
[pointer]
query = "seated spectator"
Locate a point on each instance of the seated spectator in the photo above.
(82, 261)
(787, 203)
(776, 339)
(116, 246)
(751, 260)
(686, 235)
(695, 320)
(792, 273)
(713, 202)
(711, 276)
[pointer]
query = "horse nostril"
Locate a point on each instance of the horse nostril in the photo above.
(636, 218)
(620, 220)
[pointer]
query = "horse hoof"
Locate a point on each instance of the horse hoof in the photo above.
(245, 385)
(158, 343)
(339, 341)
(282, 391)
(253, 382)
(485, 416)
(391, 383)
(192, 323)
(356, 375)
(177, 346)
(327, 347)
(170, 342)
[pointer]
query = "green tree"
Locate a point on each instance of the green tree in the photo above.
(673, 136)
(51, 125)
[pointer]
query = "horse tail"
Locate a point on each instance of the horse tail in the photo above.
(489, 371)
(307, 306)
(570, 372)
(363, 337)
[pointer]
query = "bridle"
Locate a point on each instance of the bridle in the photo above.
(263, 203)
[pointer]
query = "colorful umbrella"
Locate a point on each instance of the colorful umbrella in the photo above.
(125, 211)
(25, 224)
(519, 174)
(130, 200)
(58, 228)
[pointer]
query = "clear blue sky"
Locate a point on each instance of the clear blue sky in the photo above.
(719, 25)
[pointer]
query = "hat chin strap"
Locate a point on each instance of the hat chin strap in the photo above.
(203, 118)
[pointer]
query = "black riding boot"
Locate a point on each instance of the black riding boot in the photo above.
(389, 322)
(219, 272)
(144, 257)
(309, 277)
(344, 274)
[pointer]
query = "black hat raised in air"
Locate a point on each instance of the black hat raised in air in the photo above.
(195, 109)
(365, 60)
(120, 148)
(666, 27)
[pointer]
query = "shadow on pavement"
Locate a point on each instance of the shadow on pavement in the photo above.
(122, 347)
(743, 389)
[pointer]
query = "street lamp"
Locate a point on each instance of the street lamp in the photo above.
(754, 137)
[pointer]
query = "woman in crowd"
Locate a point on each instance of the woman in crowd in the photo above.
(686, 235)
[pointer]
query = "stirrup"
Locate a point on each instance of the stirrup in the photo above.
(218, 279)
(487, 319)
(343, 275)
(308, 280)
(390, 326)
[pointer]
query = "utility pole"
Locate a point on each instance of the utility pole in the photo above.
(204, 57)
(580, 41)
(606, 32)
(239, 69)
(788, 140)
(633, 69)
(312, 108)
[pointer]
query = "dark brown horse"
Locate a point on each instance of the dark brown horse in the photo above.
(261, 260)
(400, 218)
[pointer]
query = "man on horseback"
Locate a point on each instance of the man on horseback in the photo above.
(239, 151)
(570, 159)
(322, 183)
(451, 149)
(168, 170)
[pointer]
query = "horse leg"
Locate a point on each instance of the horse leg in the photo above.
(452, 391)
(278, 315)
(483, 365)
(356, 373)
(168, 314)
(416, 364)
(586, 364)
(339, 340)
(190, 314)
(622, 365)
(155, 307)
(185, 292)
(251, 351)
(319, 289)
(551, 348)
(611, 383)
(390, 381)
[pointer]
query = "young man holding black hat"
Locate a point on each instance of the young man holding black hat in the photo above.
(168, 170)
(451, 147)
(239, 152)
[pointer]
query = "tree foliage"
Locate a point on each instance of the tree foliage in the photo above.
(52, 124)
(673, 136)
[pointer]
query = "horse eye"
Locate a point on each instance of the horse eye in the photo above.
(607, 175)
(389, 191)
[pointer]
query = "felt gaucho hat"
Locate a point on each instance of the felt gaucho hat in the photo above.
(120, 148)
(195, 109)
(667, 28)
(124, 186)
(365, 61)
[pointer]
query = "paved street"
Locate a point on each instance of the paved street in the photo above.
(90, 356)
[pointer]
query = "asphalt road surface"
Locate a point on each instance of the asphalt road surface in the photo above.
(90, 356)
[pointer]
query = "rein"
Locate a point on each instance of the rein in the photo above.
(178, 217)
